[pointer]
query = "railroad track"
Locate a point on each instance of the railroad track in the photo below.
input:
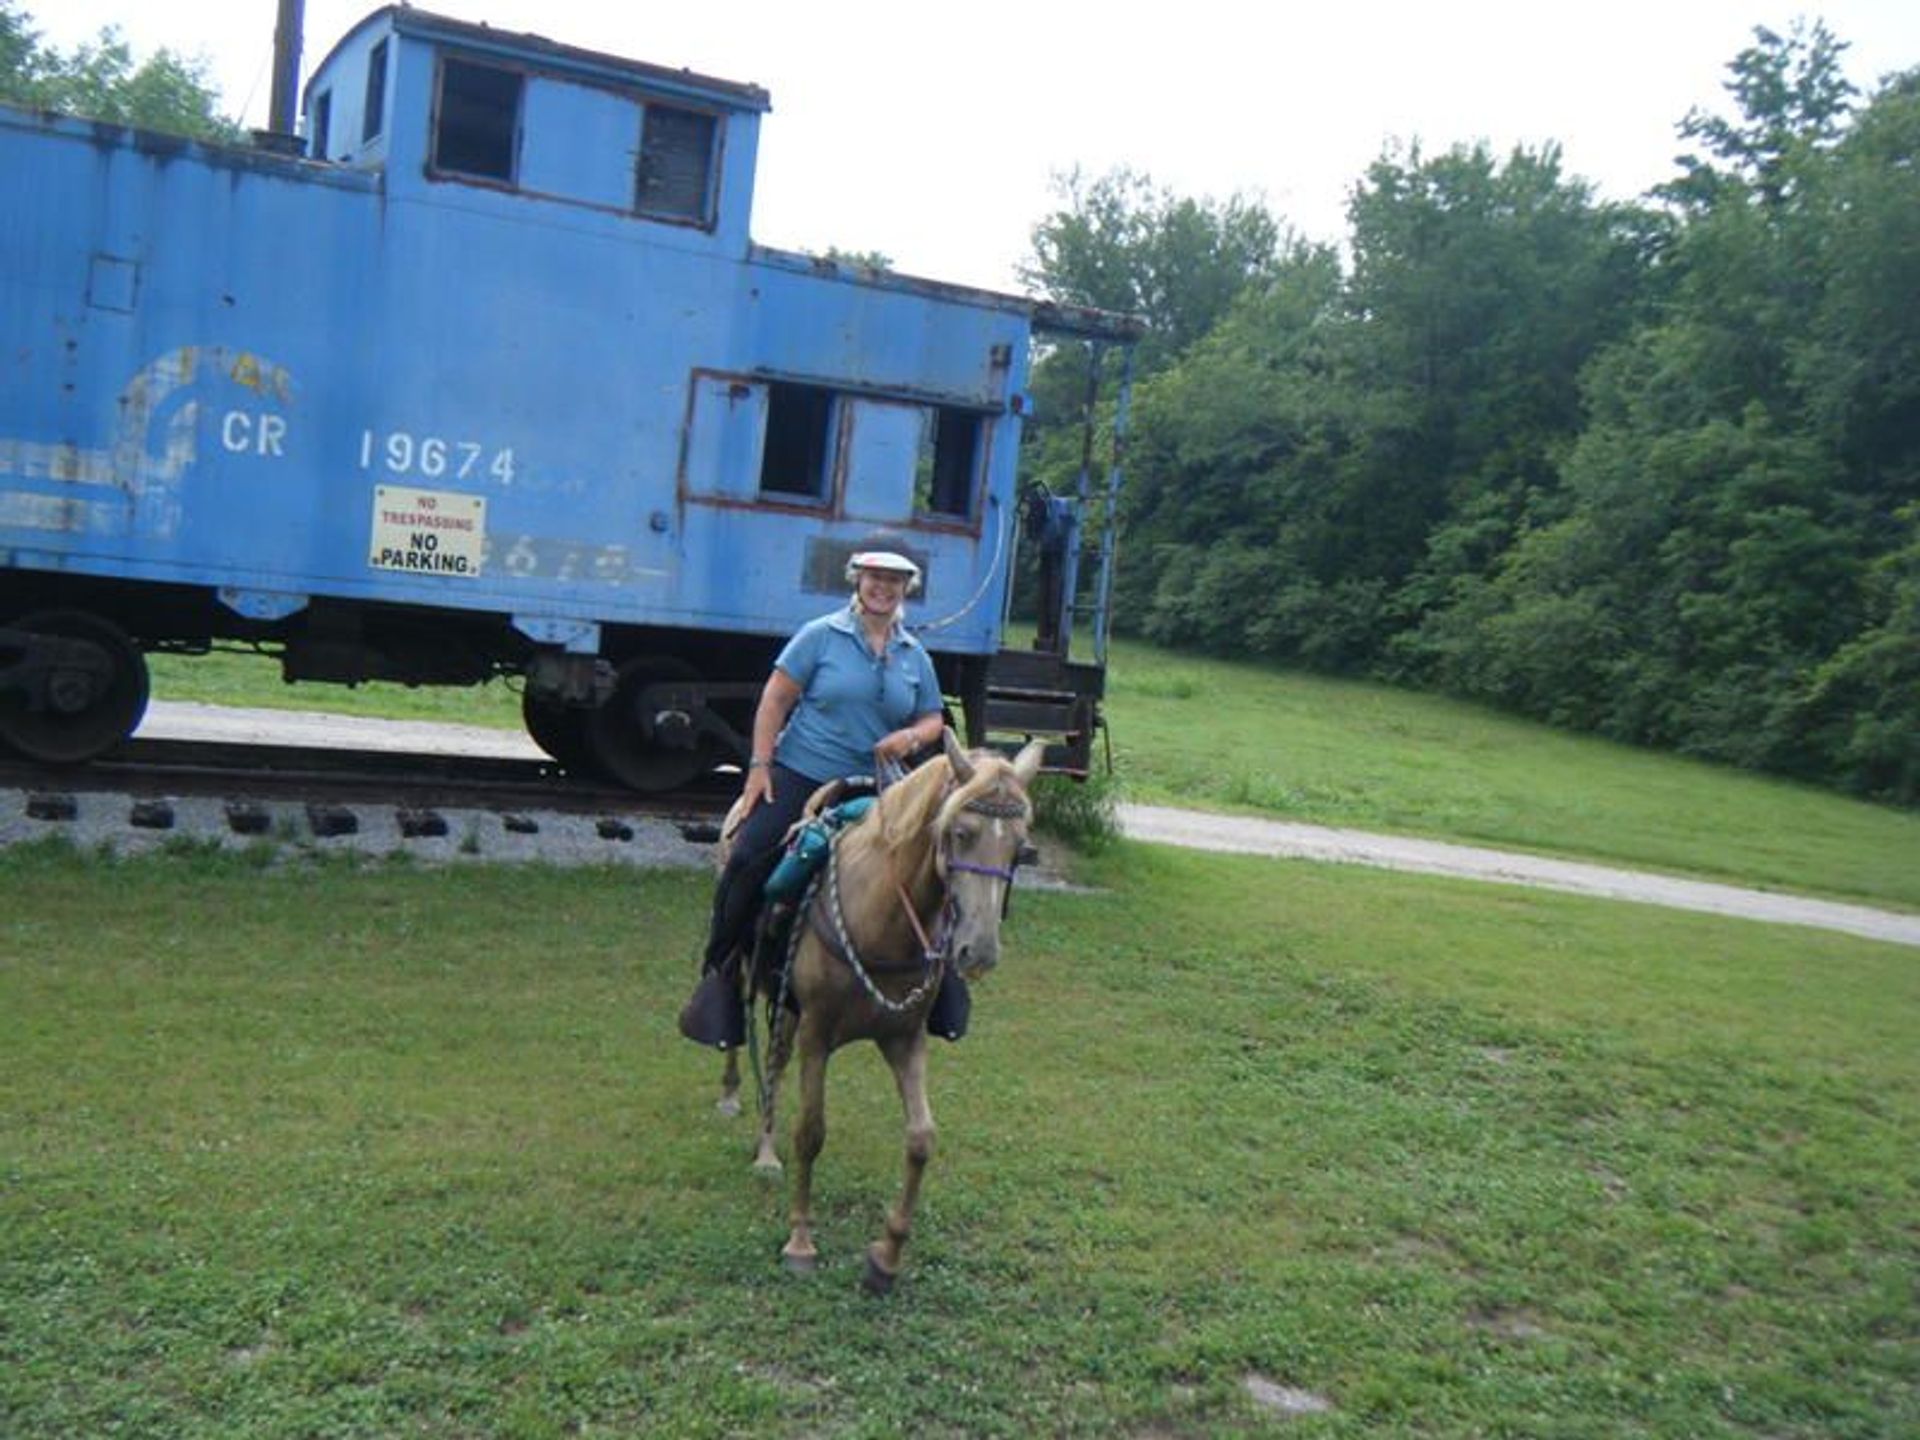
(332, 791)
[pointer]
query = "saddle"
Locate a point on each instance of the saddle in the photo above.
(829, 810)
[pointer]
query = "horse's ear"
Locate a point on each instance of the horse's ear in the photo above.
(1026, 764)
(956, 757)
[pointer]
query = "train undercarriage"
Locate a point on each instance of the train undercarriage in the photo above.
(657, 709)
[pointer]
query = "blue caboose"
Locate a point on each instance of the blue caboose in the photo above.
(488, 378)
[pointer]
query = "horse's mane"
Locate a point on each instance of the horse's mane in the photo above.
(912, 810)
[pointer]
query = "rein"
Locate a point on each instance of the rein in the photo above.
(932, 960)
(933, 948)
(826, 884)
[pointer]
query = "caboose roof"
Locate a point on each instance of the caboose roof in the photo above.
(566, 59)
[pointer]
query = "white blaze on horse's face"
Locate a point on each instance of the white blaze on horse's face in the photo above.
(977, 844)
(979, 847)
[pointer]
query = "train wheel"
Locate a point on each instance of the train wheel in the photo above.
(560, 730)
(622, 744)
(85, 714)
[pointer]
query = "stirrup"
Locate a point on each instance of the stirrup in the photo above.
(952, 1005)
(715, 1014)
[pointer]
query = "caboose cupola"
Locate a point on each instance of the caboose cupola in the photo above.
(436, 102)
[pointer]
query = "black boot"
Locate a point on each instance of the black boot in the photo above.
(716, 1015)
(951, 1007)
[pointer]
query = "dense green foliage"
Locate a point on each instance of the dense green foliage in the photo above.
(101, 81)
(1122, 243)
(1651, 470)
(318, 1149)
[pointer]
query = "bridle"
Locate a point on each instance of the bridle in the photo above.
(933, 948)
(993, 809)
(825, 886)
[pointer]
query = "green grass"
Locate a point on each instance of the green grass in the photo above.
(239, 678)
(1236, 737)
(332, 1149)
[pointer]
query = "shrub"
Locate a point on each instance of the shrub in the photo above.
(1081, 813)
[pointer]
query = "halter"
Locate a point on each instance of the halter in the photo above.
(933, 958)
(933, 949)
(993, 809)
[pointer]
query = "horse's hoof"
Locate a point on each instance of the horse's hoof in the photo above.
(768, 1165)
(877, 1281)
(728, 1105)
(800, 1262)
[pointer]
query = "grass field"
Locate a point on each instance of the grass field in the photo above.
(320, 1149)
(234, 678)
(1236, 737)
(1338, 752)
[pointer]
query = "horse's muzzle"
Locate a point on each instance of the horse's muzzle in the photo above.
(975, 960)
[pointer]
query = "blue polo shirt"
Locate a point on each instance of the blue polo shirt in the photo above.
(850, 697)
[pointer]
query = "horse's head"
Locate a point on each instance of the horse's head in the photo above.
(978, 834)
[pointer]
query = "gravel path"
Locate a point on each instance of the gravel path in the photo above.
(180, 720)
(1241, 835)
(1151, 823)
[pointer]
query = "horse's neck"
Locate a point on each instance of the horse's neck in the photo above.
(917, 874)
(886, 874)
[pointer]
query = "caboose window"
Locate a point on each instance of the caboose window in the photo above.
(674, 179)
(374, 110)
(944, 470)
(322, 128)
(478, 120)
(794, 460)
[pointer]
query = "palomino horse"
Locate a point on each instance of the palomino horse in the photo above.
(919, 884)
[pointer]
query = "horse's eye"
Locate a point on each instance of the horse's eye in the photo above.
(963, 838)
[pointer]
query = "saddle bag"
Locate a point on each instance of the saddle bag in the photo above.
(807, 849)
(808, 845)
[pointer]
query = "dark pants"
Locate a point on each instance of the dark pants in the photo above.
(756, 850)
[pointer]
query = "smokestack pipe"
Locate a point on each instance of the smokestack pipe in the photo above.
(282, 109)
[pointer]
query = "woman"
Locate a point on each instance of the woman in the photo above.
(851, 690)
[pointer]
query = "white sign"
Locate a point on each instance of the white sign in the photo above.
(428, 532)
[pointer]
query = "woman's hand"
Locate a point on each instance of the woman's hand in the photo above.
(909, 740)
(759, 787)
(896, 745)
(777, 699)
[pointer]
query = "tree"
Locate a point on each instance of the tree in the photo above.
(19, 45)
(1229, 500)
(1793, 101)
(1480, 290)
(858, 259)
(1865, 700)
(1722, 577)
(1123, 243)
(1651, 470)
(1321, 470)
(1857, 363)
(101, 82)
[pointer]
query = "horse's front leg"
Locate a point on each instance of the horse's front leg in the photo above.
(907, 1055)
(809, 1135)
(766, 1157)
(729, 1102)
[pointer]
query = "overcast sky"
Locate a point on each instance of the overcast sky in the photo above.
(931, 132)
